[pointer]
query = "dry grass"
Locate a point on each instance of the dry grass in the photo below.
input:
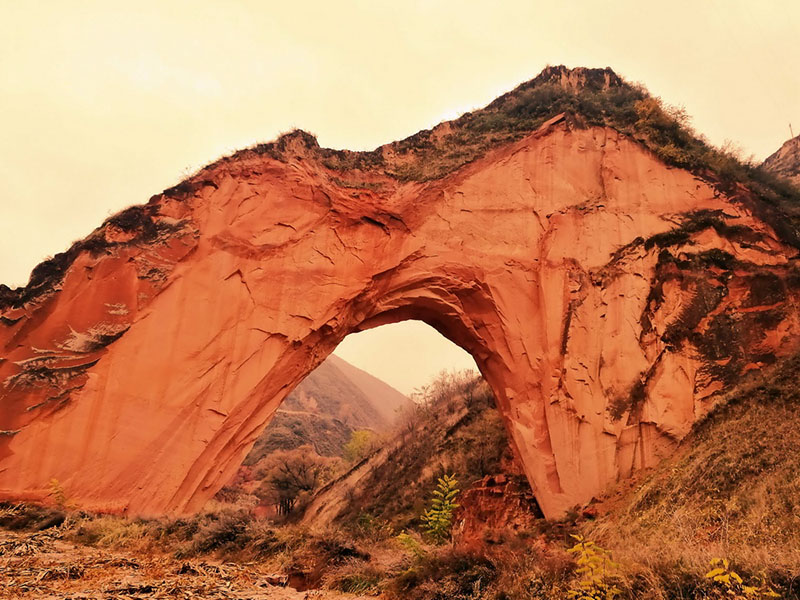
(214, 555)
(65, 571)
(454, 428)
(732, 491)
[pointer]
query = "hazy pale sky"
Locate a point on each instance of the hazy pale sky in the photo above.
(103, 104)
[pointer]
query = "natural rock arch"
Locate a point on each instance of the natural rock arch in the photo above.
(605, 296)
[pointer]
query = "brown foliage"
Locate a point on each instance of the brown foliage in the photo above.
(290, 476)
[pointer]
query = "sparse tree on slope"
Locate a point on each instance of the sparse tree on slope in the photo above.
(291, 474)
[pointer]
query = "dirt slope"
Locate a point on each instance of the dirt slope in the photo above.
(732, 490)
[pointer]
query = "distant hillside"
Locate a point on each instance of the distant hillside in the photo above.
(328, 405)
(786, 161)
(455, 429)
(335, 400)
(384, 399)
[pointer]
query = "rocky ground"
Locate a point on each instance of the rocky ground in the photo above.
(43, 566)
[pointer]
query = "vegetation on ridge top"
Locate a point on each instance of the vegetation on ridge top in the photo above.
(594, 96)
(589, 97)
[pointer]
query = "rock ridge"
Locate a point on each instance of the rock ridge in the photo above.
(607, 296)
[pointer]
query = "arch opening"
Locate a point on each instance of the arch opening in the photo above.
(328, 428)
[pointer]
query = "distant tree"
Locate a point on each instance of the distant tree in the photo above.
(442, 393)
(359, 446)
(290, 475)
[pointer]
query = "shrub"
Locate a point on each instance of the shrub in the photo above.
(596, 569)
(412, 546)
(228, 530)
(368, 526)
(292, 476)
(444, 576)
(105, 531)
(359, 446)
(731, 585)
(355, 577)
(438, 519)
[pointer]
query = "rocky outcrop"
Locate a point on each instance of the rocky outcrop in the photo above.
(786, 161)
(492, 509)
(605, 296)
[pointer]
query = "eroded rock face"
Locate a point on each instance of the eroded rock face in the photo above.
(491, 509)
(606, 297)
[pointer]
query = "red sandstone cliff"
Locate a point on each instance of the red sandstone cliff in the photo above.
(606, 297)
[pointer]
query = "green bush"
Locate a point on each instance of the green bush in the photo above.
(596, 571)
(361, 443)
(438, 519)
